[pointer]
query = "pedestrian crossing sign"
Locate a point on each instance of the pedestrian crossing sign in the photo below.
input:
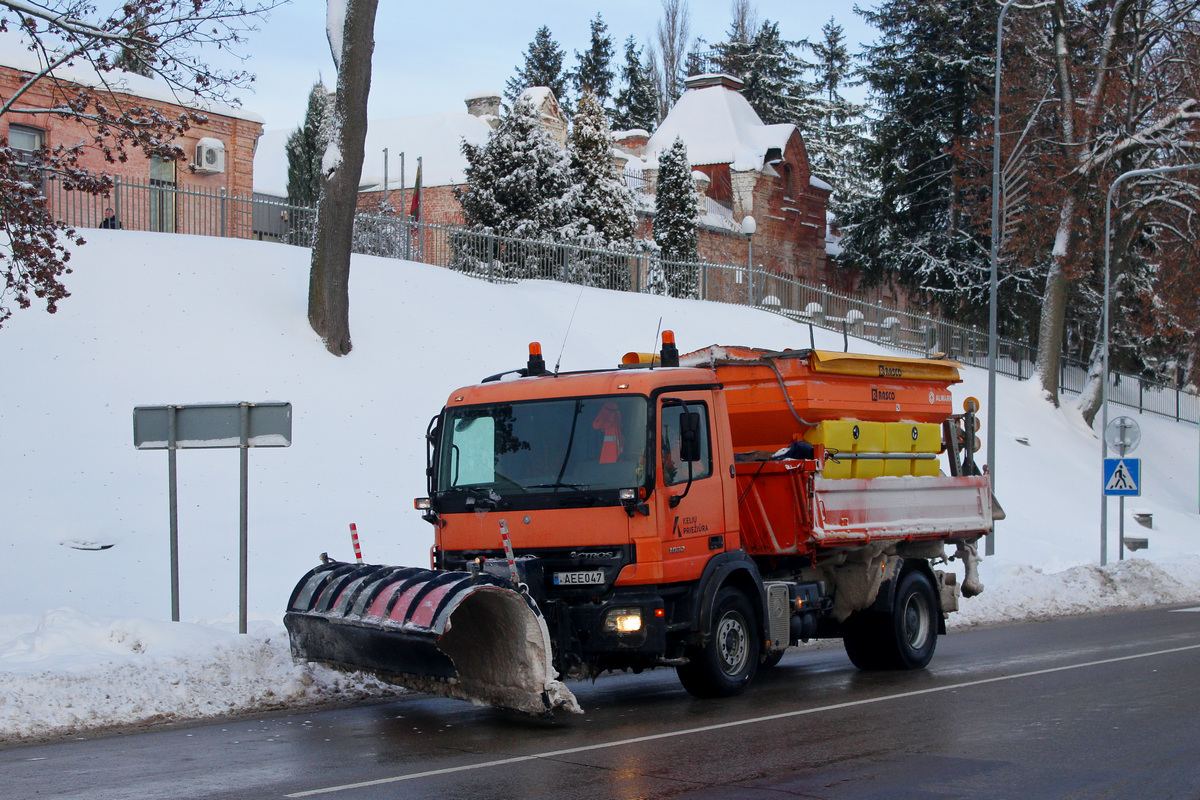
(1123, 477)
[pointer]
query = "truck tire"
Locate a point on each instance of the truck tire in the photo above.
(726, 663)
(903, 638)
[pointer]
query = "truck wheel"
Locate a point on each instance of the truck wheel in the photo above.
(726, 663)
(905, 638)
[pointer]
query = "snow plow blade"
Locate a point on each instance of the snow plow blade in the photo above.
(464, 635)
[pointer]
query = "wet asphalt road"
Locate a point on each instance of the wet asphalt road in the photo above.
(1095, 707)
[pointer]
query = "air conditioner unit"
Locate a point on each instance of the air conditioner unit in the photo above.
(210, 156)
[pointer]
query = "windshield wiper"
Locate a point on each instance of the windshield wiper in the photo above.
(556, 485)
(476, 496)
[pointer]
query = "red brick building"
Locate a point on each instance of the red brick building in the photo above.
(743, 167)
(219, 152)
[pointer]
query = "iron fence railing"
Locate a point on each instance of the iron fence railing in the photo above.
(188, 209)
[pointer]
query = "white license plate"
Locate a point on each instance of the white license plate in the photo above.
(578, 578)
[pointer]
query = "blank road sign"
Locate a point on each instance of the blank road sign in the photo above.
(213, 425)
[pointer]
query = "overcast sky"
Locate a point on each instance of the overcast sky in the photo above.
(431, 55)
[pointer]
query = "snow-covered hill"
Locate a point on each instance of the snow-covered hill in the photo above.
(157, 319)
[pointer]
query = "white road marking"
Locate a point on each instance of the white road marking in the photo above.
(1184, 610)
(724, 725)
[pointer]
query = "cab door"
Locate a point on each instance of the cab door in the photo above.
(691, 507)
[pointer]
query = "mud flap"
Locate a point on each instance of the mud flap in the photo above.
(454, 634)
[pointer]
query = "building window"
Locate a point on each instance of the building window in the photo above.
(162, 195)
(26, 143)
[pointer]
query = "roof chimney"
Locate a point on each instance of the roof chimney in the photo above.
(484, 104)
(714, 79)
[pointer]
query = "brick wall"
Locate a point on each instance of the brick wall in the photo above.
(238, 135)
(441, 206)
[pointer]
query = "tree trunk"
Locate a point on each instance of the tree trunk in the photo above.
(1054, 305)
(1089, 398)
(329, 278)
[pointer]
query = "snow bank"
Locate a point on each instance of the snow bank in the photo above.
(68, 672)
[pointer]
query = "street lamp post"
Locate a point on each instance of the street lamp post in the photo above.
(1133, 173)
(994, 281)
(749, 226)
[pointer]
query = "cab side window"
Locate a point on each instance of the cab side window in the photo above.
(684, 434)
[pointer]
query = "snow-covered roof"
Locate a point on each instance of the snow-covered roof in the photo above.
(719, 126)
(436, 138)
(819, 184)
(15, 53)
(537, 95)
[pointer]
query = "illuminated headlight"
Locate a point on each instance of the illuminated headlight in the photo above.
(623, 620)
(627, 495)
(422, 504)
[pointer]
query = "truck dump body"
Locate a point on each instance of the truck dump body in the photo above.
(786, 508)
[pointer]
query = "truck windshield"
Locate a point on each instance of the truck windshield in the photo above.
(574, 444)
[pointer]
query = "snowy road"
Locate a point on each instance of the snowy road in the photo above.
(1100, 706)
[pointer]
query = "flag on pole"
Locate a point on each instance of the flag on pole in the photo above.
(415, 210)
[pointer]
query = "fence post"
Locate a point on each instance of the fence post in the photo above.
(224, 213)
(1141, 387)
(117, 198)
(491, 258)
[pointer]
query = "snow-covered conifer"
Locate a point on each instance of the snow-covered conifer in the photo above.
(637, 102)
(600, 202)
(306, 147)
(677, 218)
(599, 198)
(929, 72)
(543, 67)
(833, 126)
(595, 64)
(772, 76)
(517, 183)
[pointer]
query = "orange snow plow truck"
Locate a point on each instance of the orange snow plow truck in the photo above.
(702, 512)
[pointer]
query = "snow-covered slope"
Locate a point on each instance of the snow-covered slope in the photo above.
(157, 319)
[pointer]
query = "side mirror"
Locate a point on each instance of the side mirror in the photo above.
(689, 437)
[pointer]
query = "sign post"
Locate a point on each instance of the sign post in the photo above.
(240, 425)
(1122, 476)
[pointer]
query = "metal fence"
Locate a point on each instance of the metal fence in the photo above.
(183, 209)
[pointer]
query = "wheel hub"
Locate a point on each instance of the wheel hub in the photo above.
(731, 639)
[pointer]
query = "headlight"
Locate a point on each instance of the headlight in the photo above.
(623, 620)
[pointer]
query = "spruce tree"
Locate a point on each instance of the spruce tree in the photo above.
(517, 183)
(771, 74)
(543, 67)
(731, 53)
(595, 65)
(833, 127)
(600, 201)
(930, 73)
(306, 147)
(637, 102)
(677, 219)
